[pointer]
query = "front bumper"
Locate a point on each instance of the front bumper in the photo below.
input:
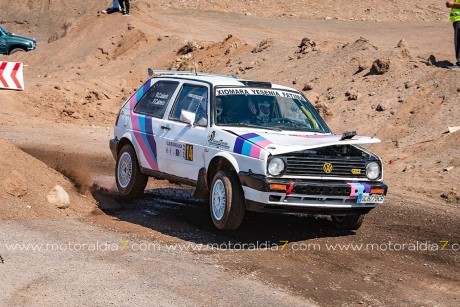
(34, 46)
(329, 197)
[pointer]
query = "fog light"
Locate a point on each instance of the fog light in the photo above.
(278, 187)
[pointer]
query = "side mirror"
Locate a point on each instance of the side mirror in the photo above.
(202, 122)
(188, 117)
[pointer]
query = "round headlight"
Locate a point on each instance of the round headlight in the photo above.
(275, 166)
(373, 170)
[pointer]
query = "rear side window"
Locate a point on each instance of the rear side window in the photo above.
(155, 101)
(194, 99)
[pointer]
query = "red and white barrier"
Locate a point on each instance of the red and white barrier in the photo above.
(11, 76)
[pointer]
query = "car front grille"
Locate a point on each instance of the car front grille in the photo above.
(349, 167)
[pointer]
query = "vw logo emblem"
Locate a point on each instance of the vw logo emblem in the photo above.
(327, 168)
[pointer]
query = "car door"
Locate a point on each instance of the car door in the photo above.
(147, 118)
(3, 47)
(184, 142)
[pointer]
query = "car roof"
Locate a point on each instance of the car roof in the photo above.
(215, 79)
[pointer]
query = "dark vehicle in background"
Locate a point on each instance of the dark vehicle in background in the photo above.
(11, 43)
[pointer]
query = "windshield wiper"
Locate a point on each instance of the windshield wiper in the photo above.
(303, 128)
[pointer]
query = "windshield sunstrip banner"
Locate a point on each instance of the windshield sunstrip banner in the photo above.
(259, 92)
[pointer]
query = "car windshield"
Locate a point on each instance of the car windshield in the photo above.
(266, 109)
(3, 30)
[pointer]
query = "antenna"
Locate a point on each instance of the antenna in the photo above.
(194, 63)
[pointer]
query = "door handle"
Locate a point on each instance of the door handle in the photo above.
(165, 128)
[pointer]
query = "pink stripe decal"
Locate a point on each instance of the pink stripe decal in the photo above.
(263, 143)
(354, 188)
(145, 150)
(255, 152)
(132, 101)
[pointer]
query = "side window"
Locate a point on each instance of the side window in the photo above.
(155, 101)
(194, 99)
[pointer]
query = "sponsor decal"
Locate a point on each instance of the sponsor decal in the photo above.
(160, 99)
(262, 92)
(212, 136)
(194, 96)
(214, 142)
(189, 152)
(327, 168)
(357, 190)
(182, 151)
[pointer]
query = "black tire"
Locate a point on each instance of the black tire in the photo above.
(347, 222)
(232, 215)
(130, 180)
(14, 50)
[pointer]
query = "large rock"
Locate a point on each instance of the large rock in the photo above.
(379, 67)
(15, 184)
(265, 44)
(59, 197)
(306, 45)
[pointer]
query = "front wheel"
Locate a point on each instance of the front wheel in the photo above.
(347, 222)
(227, 204)
(17, 50)
(130, 181)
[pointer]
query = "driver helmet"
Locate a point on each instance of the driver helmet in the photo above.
(264, 111)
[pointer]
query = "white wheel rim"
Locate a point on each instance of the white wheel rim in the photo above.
(125, 169)
(219, 199)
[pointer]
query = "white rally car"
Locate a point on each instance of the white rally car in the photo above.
(244, 145)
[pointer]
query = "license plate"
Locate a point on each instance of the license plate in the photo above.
(370, 199)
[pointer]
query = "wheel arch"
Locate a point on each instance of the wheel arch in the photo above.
(16, 46)
(221, 161)
(127, 138)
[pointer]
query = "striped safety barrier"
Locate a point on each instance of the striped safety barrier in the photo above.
(11, 76)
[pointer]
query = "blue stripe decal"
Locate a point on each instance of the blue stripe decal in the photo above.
(360, 191)
(144, 136)
(139, 94)
(238, 145)
(246, 149)
(367, 188)
(257, 139)
(148, 125)
(249, 136)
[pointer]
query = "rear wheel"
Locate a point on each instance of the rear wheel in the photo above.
(347, 222)
(14, 50)
(227, 204)
(130, 181)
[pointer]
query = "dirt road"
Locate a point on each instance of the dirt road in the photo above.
(91, 266)
(395, 258)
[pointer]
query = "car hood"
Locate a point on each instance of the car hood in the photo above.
(291, 141)
(22, 37)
